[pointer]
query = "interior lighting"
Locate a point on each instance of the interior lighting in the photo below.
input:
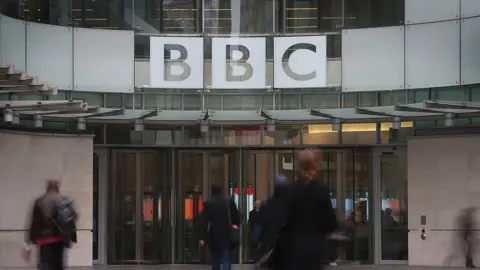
(38, 120)
(8, 115)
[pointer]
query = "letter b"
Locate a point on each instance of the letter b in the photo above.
(231, 63)
(180, 62)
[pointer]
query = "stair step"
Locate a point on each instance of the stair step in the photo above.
(4, 70)
(36, 87)
(14, 76)
(16, 82)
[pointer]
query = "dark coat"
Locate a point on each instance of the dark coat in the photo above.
(310, 220)
(215, 226)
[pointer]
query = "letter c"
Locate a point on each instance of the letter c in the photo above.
(286, 66)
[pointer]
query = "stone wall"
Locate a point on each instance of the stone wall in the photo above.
(26, 160)
(443, 179)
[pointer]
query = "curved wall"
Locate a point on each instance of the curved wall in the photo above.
(27, 160)
(438, 46)
(70, 58)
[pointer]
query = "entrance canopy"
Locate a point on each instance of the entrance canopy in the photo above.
(73, 111)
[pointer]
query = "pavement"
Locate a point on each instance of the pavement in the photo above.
(246, 267)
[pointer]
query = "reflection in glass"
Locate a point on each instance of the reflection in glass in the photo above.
(283, 135)
(284, 165)
(242, 135)
(306, 16)
(388, 135)
(319, 134)
(374, 13)
(359, 133)
(192, 135)
(189, 202)
(258, 176)
(179, 16)
(103, 14)
(240, 16)
(394, 233)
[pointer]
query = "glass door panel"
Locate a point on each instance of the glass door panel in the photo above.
(123, 207)
(155, 221)
(284, 164)
(189, 203)
(258, 174)
(392, 171)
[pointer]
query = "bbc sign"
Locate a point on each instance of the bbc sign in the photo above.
(238, 63)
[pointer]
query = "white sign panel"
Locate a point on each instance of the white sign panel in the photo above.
(238, 63)
(176, 62)
(300, 62)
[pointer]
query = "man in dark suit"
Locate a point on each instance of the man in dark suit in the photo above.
(220, 218)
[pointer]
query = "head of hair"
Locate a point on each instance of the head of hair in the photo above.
(216, 190)
(53, 185)
(306, 164)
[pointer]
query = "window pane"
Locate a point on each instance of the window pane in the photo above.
(114, 101)
(179, 16)
(290, 102)
(163, 102)
(307, 16)
(334, 46)
(350, 100)
(62, 95)
(283, 135)
(192, 102)
(104, 14)
(392, 97)
(451, 94)
(359, 133)
(213, 102)
(366, 99)
(147, 15)
(93, 99)
(267, 102)
(128, 101)
(320, 101)
(241, 102)
(233, 16)
(374, 13)
(319, 134)
(475, 94)
(388, 135)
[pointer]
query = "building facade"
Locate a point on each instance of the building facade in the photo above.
(349, 77)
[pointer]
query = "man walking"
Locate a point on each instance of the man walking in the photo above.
(220, 220)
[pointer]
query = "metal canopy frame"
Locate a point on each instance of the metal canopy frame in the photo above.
(73, 110)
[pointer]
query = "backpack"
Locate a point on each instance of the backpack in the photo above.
(64, 219)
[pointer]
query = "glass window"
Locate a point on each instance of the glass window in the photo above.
(365, 133)
(63, 95)
(451, 94)
(129, 102)
(475, 94)
(103, 14)
(283, 135)
(242, 102)
(350, 100)
(319, 134)
(233, 16)
(367, 99)
(113, 101)
(392, 97)
(148, 16)
(192, 102)
(310, 16)
(93, 99)
(163, 102)
(393, 136)
(290, 102)
(11, 8)
(320, 101)
(162, 135)
(193, 136)
(213, 102)
(374, 13)
(180, 16)
(415, 96)
(334, 46)
(242, 135)
(142, 46)
(267, 102)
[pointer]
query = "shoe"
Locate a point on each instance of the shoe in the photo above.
(470, 266)
(333, 264)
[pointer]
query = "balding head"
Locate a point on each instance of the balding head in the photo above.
(53, 185)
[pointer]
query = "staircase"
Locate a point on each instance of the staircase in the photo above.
(19, 83)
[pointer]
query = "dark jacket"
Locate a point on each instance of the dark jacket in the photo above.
(41, 223)
(273, 215)
(311, 218)
(216, 228)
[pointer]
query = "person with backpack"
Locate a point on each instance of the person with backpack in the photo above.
(52, 228)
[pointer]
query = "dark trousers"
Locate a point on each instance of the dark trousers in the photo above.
(469, 260)
(217, 256)
(51, 256)
(332, 246)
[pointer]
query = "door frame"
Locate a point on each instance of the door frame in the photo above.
(377, 202)
(102, 154)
